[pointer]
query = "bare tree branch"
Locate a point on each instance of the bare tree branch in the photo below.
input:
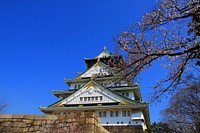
(183, 113)
(170, 32)
(3, 106)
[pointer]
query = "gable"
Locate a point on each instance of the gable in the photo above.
(89, 94)
(93, 95)
(99, 69)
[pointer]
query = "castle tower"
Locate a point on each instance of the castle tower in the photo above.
(95, 90)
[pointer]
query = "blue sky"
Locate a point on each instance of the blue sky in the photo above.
(44, 41)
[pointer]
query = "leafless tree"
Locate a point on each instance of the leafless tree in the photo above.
(183, 113)
(3, 106)
(169, 33)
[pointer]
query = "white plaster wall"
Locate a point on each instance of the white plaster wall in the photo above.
(144, 125)
(137, 115)
(72, 85)
(120, 118)
(131, 95)
(114, 120)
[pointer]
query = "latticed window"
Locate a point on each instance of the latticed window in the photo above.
(116, 113)
(101, 98)
(79, 86)
(111, 113)
(100, 114)
(124, 113)
(75, 87)
(104, 114)
(85, 98)
(128, 113)
(96, 98)
(92, 98)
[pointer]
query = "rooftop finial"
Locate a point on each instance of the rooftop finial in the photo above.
(104, 48)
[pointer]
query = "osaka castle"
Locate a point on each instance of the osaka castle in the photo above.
(116, 103)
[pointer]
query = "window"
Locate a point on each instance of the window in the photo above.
(117, 122)
(79, 86)
(127, 94)
(116, 113)
(75, 87)
(96, 98)
(106, 122)
(123, 94)
(111, 113)
(91, 98)
(124, 113)
(129, 122)
(128, 113)
(104, 114)
(100, 114)
(101, 98)
(81, 99)
(122, 122)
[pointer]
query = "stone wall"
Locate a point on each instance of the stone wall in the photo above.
(124, 129)
(81, 122)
